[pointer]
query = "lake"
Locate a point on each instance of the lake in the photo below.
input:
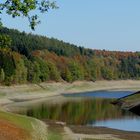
(90, 108)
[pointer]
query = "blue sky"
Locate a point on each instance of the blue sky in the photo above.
(97, 24)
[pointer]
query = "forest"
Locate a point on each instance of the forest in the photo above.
(29, 58)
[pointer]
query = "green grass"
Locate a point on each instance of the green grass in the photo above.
(21, 121)
(52, 135)
(132, 98)
(36, 128)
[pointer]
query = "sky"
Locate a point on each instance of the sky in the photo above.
(97, 24)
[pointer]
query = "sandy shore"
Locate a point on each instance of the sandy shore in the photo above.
(18, 95)
(22, 93)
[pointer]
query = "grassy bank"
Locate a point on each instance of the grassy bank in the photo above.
(130, 102)
(25, 127)
(23, 94)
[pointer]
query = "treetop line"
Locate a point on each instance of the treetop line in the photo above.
(33, 58)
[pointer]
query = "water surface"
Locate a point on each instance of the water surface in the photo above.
(90, 108)
(101, 94)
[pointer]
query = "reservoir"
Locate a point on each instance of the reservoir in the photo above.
(89, 109)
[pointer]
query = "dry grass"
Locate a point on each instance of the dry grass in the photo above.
(9, 131)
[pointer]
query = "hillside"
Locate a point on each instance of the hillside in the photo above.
(33, 58)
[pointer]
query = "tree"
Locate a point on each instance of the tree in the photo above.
(33, 72)
(53, 71)
(66, 75)
(76, 70)
(20, 75)
(7, 62)
(16, 8)
(44, 69)
(5, 41)
(2, 75)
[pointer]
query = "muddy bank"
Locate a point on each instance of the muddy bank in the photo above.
(130, 103)
(32, 92)
(16, 96)
(72, 132)
(103, 130)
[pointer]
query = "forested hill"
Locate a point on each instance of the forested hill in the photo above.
(26, 43)
(33, 58)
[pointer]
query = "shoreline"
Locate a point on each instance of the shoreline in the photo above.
(87, 132)
(19, 95)
(33, 92)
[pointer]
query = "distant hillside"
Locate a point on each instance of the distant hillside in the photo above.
(33, 58)
(25, 43)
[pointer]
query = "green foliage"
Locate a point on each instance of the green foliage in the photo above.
(5, 41)
(26, 43)
(76, 71)
(66, 75)
(2, 75)
(54, 135)
(7, 62)
(92, 70)
(53, 72)
(44, 69)
(33, 58)
(33, 72)
(20, 72)
(17, 8)
(107, 73)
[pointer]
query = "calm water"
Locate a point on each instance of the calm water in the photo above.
(101, 94)
(92, 108)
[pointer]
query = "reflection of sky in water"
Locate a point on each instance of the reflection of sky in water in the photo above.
(125, 123)
(101, 94)
(122, 124)
(96, 111)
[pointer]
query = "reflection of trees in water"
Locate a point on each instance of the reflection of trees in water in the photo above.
(135, 110)
(80, 112)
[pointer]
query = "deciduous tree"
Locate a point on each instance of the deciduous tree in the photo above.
(16, 8)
